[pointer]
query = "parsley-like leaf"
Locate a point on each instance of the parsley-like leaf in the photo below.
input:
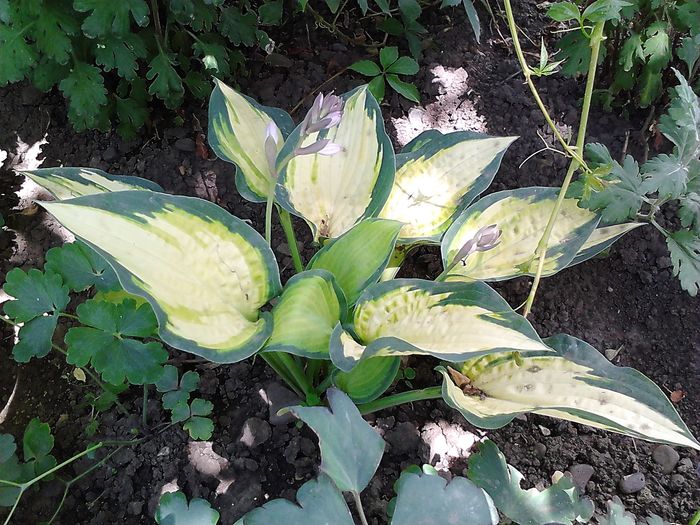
(120, 53)
(685, 255)
(111, 16)
(17, 57)
(239, 28)
(84, 88)
(35, 338)
(166, 84)
(106, 344)
(81, 267)
(173, 509)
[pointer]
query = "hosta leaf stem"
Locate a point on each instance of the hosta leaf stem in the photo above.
(434, 392)
(286, 222)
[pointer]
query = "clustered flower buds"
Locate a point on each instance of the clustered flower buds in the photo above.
(325, 113)
(484, 239)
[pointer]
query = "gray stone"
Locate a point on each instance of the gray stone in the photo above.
(581, 474)
(278, 397)
(632, 483)
(666, 457)
(540, 450)
(135, 508)
(109, 154)
(185, 144)
(255, 432)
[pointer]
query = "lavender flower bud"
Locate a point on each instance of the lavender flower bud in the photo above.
(325, 113)
(322, 147)
(484, 239)
(272, 133)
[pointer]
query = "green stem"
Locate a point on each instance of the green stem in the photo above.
(313, 366)
(268, 214)
(156, 20)
(528, 79)
(299, 378)
(327, 382)
(695, 519)
(360, 510)
(286, 222)
(273, 360)
(434, 392)
(541, 252)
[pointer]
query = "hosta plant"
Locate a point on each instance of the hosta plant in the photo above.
(214, 287)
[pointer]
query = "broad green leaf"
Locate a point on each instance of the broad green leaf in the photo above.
(173, 509)
(681, 123)
(622, 192)
(601, 239)
(449, 321)
(575, 383)
(319, 503)
(199, 428)
(161, 244)
(333, 192)
(350, 449)
(111, 17)
(436, 181)
(38, 441)
(270, 12)
(52, 30)
(166, 83)
(576, 51)
(632, 49)
(81, 267)
(369, 379)
(564, 11)
(303, 320)
(377, 87)
(403, 66)
(405, 89)
(388, 55)
(685, 255)
(366, 67)
(66, 183)
(689, 211)
(421, 140)
(421, 498)
(602, 10)
(473, 18)
(7, 447)
(105, 342)
(35, 338)
(657, 46)
(237, 128)
(35, 293)
(84, 88)
(649, 85)
(665, 174)
(558, 503)
(359, 256)
(522, 216)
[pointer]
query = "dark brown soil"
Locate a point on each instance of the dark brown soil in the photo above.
(628, 300)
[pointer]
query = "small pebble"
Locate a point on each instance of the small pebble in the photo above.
(545, 431)
(581, 474)
(666, 457)
(540, 450)
(632, 483)
(185, 144)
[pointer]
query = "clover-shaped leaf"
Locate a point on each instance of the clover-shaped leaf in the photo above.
(350, 449)
(197, 425)
(176, 392)
(35, 293)
(173, 509)
(106, 344)
(81, 267)
(559, 503)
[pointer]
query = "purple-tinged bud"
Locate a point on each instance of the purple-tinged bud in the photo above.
(325, 113)
(484, 239)
(272, 133)
(321, 147)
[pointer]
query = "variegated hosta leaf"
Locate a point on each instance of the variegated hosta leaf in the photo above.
(358, 257)
(425, 499)
(66, 183)
(308, 310)
(450, 321)
(522, 216)
(334, 192)
(368, 380)
(205, 272)
(421, 140)
(237, 128)
(395, 261)
(576, 383)
(601, 239)
(436, 181)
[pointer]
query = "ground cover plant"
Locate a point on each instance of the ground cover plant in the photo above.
(644, 39)
(342, 321)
